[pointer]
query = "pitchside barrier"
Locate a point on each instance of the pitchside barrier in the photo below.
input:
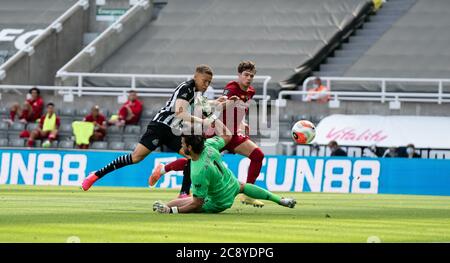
(279, 173)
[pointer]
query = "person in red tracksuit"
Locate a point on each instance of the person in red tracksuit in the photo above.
(238, 94)
(99, 121)
(130, 112)
(31, 110)
(47, 129)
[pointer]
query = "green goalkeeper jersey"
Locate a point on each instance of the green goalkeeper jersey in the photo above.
(211, 179)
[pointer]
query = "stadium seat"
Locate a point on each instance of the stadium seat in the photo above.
(3, 142)
(17, 127)
(32, 126)
(65, 129)
(286, 117)
(114, 137)
(114, 130)
(116, 146)
(145, 121)
(99, 145)
(67, 144)
(15, 130)
(37, 143)
(62, 137)
(17, 142)
(148, 114)
(4, 111)
(12, 136)
(132, 129)
(66, 119)
(67, 111)
(285, 134)
(3, 127)
(81, 113)
(131, 138)
(130, 145)
(285, 130)
(301, 117)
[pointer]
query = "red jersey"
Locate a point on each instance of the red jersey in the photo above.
(100, 120)
(37, 106)
(41, 121)
(136, 108)
(240, 109)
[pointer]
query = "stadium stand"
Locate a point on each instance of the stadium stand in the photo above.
(412, 44)
(285, 38)
(364, 38)
(66, 144)
(17, 22)
(40, 38)
(99, 145)
(415, 46)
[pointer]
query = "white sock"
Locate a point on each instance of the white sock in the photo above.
(163, 171)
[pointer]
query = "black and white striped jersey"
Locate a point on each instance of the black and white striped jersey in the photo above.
(185, 91)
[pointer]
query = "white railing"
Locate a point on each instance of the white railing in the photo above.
(114, 27)
(68, 92)
(81, 89)
(438, 96)
(56, 25)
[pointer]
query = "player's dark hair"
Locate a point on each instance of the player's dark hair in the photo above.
(246, 65)
(204, 69)
(50, 104)
(36, 89)
(333, 143)
(196, 141)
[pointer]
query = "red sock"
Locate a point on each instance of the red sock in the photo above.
(256, 159)
(177, 165)
(30, 143)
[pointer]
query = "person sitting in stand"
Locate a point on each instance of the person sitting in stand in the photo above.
(336, 150)
(31, 110)
(47, 129)
(99, 121)
(129, 113)
(318, 92)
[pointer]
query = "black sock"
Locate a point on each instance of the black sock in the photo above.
(186, 186)
(120, 162)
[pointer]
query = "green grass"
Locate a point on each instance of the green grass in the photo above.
(52, 214)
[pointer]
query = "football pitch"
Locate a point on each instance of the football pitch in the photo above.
(104, 214)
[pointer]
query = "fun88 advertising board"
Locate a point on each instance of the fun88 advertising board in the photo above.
(278, 173)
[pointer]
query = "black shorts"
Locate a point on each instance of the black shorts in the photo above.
(158, 134)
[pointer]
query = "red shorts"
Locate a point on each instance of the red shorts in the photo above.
(44, 135)
(235, 141)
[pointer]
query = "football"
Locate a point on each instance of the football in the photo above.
(303, 132)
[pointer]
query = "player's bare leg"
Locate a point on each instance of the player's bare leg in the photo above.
(252, 151)
(139, 153)
(162, 169)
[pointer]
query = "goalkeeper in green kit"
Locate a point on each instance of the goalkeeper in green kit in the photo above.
(214, 185)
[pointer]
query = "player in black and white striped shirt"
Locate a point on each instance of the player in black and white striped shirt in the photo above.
(160, 129)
